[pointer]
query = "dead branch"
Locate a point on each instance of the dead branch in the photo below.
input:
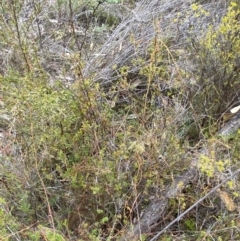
(136, 32)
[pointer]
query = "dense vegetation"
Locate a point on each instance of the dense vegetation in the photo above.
(98, 124)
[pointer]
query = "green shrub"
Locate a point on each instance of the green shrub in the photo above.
(217, 71)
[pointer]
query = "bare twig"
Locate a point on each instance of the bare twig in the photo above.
(195, 204)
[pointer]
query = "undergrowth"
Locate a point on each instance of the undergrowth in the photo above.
(84, 161)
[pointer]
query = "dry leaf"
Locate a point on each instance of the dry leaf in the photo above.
(235, 109)
(227, 200)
